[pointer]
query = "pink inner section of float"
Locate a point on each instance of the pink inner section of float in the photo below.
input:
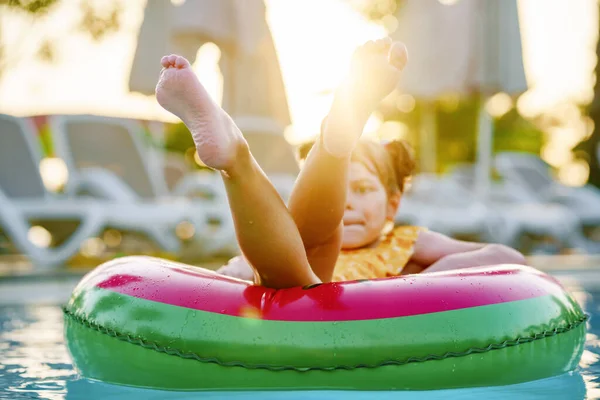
(199, 289)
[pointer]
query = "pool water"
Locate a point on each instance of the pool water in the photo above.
(35, 364)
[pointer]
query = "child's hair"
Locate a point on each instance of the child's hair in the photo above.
(393, 162)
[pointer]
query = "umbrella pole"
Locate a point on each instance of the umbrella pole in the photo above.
(428, 138)
(485, 139)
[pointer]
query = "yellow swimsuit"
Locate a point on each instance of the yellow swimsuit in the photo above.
(388, 258)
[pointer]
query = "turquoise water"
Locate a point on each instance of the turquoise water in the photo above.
(34, 364)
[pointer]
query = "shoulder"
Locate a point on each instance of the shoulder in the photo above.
(407, 232)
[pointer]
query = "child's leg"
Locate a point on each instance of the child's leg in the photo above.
(318, 200)
(267, 233)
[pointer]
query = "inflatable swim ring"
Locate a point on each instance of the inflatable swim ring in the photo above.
(153, 323)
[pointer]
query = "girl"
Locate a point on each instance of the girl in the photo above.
(336, 224)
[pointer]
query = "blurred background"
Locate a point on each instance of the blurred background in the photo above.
(499, 100)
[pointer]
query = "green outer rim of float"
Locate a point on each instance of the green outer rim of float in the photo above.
(525, 340)
(138, 366)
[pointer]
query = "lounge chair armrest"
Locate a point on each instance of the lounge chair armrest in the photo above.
(198, 183)
(283, 183)
(586, 196)
(102, 183)
(558, 193)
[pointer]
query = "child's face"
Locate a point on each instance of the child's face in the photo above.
(367, 208)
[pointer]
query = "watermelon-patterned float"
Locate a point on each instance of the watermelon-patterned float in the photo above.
(154, 323)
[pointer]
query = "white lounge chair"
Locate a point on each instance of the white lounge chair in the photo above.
(106, 157)
(23, 197)
(444, 207)
(175, 169)
(516, 214)
(533, 176)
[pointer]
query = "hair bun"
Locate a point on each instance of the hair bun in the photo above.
(403, 160)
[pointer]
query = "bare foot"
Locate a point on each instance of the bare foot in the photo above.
(216, 136)
(374, 73)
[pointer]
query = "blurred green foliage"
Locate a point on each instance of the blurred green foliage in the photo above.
(94, 21)
(30, 6)
(376, 10)
(178, 138)
(456, 131)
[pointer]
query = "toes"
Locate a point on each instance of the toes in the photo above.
(383, 45)
(181, 62)
(168, 61)
(365, 49)
(376, 46)
(398, 55)
(387, 40)
(174, 60)
(369, 46)
(165, 61)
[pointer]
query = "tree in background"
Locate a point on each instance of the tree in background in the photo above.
(376, 10)
(96, 20)
(591, 146)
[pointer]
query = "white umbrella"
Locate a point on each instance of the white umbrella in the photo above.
(253, 90)
(468, 46)
(182, 29)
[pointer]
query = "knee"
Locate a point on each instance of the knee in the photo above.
(505, 254)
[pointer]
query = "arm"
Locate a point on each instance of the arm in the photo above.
(491, 254)
(436, 252)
